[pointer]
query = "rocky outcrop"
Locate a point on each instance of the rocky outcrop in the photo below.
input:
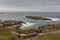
(37, 18)
(10, 23)
(49, 27)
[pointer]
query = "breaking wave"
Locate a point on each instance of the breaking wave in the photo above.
(54, 19)
(28, 25)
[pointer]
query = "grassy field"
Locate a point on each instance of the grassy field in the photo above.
(5, 33)
(48, 37)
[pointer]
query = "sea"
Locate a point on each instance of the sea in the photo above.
(21, 16)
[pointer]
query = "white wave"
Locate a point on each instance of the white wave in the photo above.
(27, 25)
(54, 19)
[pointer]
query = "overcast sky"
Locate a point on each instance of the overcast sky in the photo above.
(30, 5)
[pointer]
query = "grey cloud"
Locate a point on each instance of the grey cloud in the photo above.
(43, 5)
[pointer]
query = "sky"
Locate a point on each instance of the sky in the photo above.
(29, 5)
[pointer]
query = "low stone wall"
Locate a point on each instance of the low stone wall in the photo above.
(17, 36)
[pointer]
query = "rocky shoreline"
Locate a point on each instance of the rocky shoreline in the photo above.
(18, 24)
(18, 33)
(10, 23)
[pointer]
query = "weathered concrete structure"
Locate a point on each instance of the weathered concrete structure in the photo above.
(17, 36)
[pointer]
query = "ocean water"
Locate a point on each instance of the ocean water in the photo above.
(55, 16)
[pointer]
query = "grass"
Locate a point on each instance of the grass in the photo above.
(5, 33)
(28, 31)
(48, 37)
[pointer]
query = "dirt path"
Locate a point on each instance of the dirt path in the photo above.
(40, 34)
(54, 32)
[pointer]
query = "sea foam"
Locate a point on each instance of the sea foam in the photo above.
(54, 19)
(27, 25)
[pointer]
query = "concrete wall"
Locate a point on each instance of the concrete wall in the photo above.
(17, 36)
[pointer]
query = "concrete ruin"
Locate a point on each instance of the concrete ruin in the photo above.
(17, 36)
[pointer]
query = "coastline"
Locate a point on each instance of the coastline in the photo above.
(9, 26)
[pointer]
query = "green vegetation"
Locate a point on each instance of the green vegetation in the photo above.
(48, 37)
(5, 33)
(28, 31)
